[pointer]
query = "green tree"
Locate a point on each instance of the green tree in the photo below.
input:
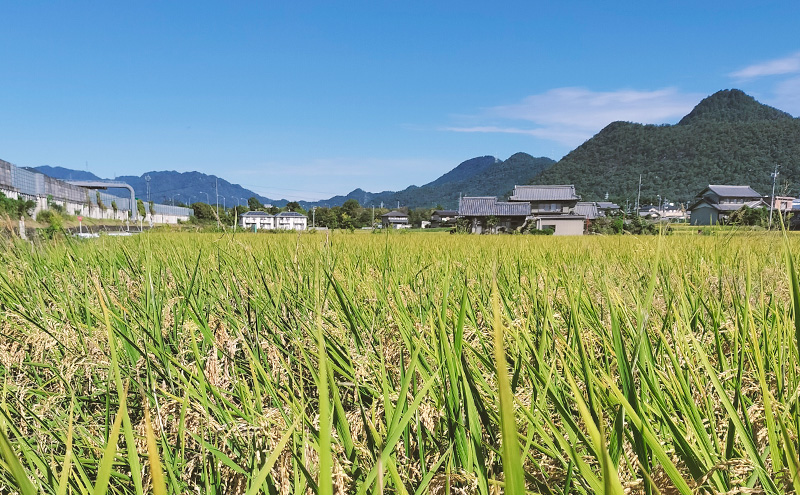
(140, 208)
(293, 206)
(254, 204)
(203, 211)
(351, 207)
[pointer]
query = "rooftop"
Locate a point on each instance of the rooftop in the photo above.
(478, 206)
(545, 193)
(394, 214)
(727, 191)
(588, 210)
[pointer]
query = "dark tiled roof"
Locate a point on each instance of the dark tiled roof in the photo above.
(445, 213)
(607, 205)
(290, 214)
(589, 210)
(734, 191)
(727, 206)
(394, 214)
(488, 205)
(544, 193)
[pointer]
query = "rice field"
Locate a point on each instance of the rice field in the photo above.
(400, 364)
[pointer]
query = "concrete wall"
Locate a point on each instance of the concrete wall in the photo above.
(563, 226)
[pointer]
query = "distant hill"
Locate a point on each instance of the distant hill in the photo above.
(66, 173)
(728, 138)
(482, 176)
(166, 186)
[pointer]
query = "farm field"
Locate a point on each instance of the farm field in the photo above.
(401, 363)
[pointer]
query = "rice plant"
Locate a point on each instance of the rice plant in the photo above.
(400, 364)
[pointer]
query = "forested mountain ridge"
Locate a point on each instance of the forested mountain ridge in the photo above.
(482, 176)
(170, 186)
(732, 105)
(728, 138)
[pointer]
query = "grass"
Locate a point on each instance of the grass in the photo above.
(329, 363)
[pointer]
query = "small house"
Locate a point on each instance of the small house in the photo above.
(395, 220)
(443, 218)
(715, 203)
(554, 207)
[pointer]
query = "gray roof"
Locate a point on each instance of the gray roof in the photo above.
(445, 213)
(735, 206)
(394, 214)
(734, 191)
(727, 206)
(544, 193)
(290, 214)
(255, 214)
(607, 205)
(589, 210)
(484, 206)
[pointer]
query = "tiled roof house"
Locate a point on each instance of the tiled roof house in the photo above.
(716, 202)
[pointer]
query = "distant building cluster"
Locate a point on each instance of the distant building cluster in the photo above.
(555, 208)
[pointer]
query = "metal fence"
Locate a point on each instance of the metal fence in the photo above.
(36, 184)
(172, 210)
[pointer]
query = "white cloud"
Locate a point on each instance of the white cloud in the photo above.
(571, 115)
(776, 67)
(787, 96)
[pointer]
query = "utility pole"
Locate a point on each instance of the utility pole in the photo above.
(639, 194)
(772, 202)
(313, 217)
(216, 191)
(373, 217)
(147, 181)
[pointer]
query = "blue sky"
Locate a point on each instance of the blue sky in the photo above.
(304, 100)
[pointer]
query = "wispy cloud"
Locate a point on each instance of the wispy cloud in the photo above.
(776, 67)
(571, 115)
(787, 95)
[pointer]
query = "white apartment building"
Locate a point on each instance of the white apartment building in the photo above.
(261, 220)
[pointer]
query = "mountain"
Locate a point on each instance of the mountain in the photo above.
(481, 176)
(728, 138)
(66, 173)
(166, 186)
